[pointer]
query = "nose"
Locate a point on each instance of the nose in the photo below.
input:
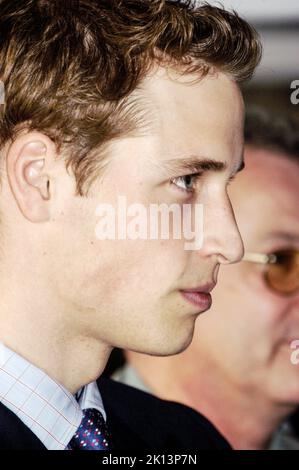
(221, 236)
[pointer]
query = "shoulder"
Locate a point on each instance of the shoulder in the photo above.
(160, 421)
(14, 434)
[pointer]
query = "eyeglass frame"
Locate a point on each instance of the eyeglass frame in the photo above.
(260, 258)
(263, 258)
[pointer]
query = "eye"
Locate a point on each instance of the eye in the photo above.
(186, 183)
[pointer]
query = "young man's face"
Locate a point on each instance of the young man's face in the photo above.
(127, 293)
(248, 332)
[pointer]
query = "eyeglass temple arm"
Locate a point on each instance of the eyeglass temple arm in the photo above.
(259, 258)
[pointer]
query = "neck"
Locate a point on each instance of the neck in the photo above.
(246, 419)
(37, 325)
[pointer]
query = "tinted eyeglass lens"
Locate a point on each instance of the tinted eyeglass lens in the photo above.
(283, 276)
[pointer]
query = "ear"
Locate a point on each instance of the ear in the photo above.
(28, 162)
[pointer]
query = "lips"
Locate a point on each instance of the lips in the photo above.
(200, 297)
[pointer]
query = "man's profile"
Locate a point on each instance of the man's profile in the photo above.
(107, 98)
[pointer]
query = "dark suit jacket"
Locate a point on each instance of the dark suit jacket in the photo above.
(137, 421)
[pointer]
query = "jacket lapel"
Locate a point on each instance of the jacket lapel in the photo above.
(14, 434)
(120, 418)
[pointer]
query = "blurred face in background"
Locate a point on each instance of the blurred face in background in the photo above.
(246, 336)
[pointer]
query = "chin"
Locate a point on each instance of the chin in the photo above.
(284, 384)
(290, 394)
(171, 345)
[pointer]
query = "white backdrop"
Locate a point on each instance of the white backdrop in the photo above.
(271, 10)
(278, 24)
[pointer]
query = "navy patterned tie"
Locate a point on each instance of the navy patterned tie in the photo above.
(92, 433)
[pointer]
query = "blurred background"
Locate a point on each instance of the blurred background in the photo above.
(277, 22)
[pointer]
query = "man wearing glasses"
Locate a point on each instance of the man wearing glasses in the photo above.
(238, 370)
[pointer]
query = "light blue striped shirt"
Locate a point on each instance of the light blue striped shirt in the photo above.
(50, 411)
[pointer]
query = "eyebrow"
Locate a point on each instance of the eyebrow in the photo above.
(196, 164)
(290, 237)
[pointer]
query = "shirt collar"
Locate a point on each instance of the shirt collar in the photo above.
(47, 408)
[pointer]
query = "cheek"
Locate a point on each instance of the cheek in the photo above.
(134, 267)
(108, 271)
(245, 324)
(269, 309)
(249, 306)
(246, 289)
